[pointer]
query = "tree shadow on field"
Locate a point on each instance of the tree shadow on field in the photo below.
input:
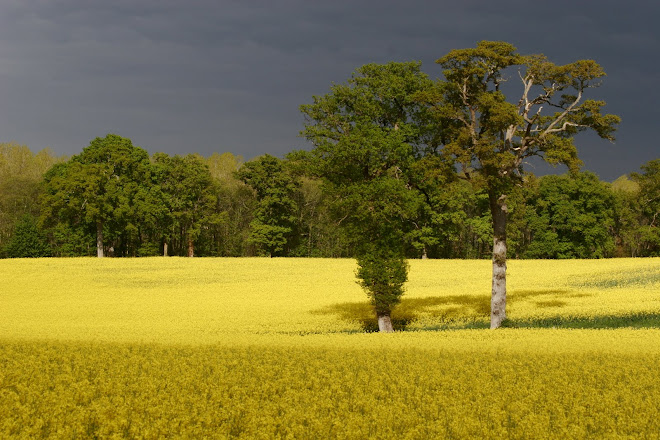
(633, 320)
(473, 312)
(409, 310)
(450, 311)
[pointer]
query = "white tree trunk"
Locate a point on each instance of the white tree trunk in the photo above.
(191, 248)
(99, 239)
(498, 294)
(385, 323)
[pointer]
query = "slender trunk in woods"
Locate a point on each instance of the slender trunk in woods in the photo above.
(165, 249)
(499, 211)
(191, 247)
(99, 239)
(385, 323)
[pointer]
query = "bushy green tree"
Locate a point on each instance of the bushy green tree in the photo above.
(377, 214)
(572, 217)
(367, 135)
(97, 189)
(27, 241)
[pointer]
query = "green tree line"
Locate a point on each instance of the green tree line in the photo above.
(222, 206)
(401, 166)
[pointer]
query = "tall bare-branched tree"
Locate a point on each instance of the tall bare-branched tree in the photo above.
(492, 136)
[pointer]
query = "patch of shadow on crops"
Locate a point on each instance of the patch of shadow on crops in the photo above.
(157, 281)
(636, 320)
(441, 307)
(612, 280)
(518, 295)
(555, 303)
(448, 309)
(457, 312)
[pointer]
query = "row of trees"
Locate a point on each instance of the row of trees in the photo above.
(220, 206)
(401, 166)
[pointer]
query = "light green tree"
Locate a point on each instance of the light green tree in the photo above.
(235, 206)
(21, 173)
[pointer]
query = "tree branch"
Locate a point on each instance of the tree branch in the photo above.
(550, 128)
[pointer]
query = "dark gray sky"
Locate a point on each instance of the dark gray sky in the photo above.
(214, 76)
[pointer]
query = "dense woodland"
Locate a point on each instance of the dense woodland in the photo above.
(222, 206)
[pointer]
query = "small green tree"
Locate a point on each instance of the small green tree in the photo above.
(27, 241)
(377, 215)
(367, 135)
(382, 273)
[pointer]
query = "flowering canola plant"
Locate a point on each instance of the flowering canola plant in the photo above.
(280, 348)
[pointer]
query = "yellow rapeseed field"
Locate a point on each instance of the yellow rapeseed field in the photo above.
(281, 348)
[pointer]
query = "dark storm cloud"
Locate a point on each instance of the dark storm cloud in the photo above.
(204, 76)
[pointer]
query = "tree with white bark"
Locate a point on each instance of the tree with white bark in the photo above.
(493, 137)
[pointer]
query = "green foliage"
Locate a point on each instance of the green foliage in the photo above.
(572, 217)
(274, 216)
(455, 219)
(21, 172)
(100, 187)
(367, 135)
(382, 273)
(649, 208)
(368, 126)
(27, 240)
(187, 200)
(72, 240)
(483, 130)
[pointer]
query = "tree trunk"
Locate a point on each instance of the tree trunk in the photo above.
(424, 254)
(99, 239)
(385, 323)
(499, 212)
(164, 249)
(191, 247)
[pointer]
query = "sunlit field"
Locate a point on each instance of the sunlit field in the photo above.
(284, 348)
